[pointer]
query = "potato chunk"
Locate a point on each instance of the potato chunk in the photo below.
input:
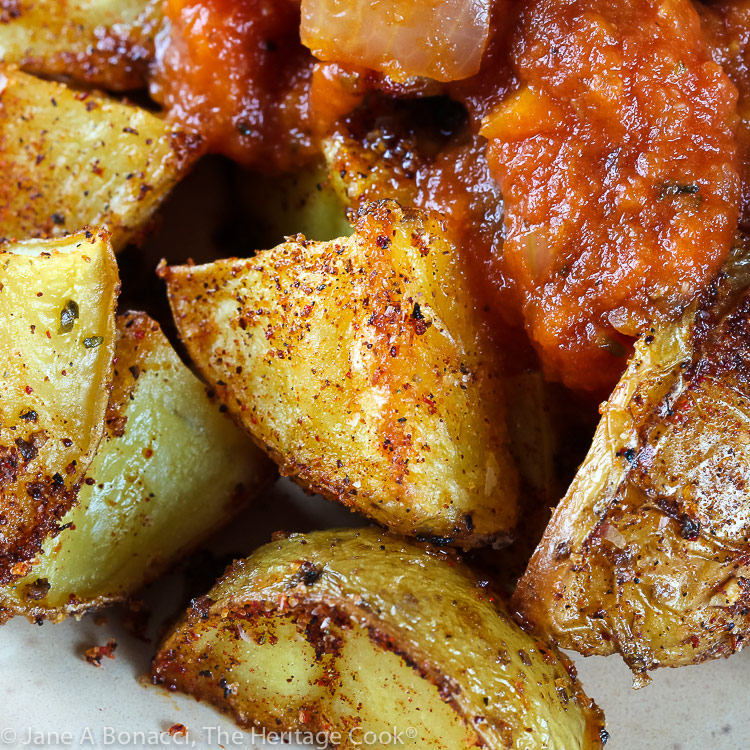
(356, 631)
(647, 553)
(72, 159)
(105, 42)
(57, 300)
(386, 151)
(171, 469)
(360, 366)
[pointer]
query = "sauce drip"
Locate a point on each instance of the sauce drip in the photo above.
(235, 71)
(617, 159)
(727, 26)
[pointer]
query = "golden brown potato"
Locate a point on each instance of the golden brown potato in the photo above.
(360, 174)
(72, 159)
(57, 300)
(647, 554)
(171, 469)
(360, 366)
(394, 151)
(104, 42)
(353, 632)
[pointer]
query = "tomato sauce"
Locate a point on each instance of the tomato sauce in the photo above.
(617, 159)
(236, 71)
(458, 184)
(612, 135)
(727, 26)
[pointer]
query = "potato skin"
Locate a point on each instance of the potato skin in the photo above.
(109, 43)
(57, 301)
(170, 470)
(361, 367)
(648, 552)
(420, 603)
(73, 159)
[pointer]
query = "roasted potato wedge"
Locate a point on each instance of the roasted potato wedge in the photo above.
(360, 366)
(648, 552)
(104, 42)
(394, 154)
(72, 159)
(171, 469)
(356, 631)
(57, 300)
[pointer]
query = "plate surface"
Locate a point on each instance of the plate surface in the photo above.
(50, 697)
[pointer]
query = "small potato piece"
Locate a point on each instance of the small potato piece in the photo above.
(72, 159)
(171, 469)
(360, 366)
(57, 300)
(304, 202)
(357, 631)
(647, 554)
(105, 42)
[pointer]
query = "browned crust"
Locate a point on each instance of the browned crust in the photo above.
(308, 615)
(604, 549)
(25, 528)
(115, 60)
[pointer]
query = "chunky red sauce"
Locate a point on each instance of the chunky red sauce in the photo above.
(616, 156)
(727, 26)
(235, 71)
(611, 134)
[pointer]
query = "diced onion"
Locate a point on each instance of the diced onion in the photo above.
(611, 534)
(439, 39)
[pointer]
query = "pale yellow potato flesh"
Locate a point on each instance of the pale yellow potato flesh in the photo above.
(104, 42)
(171, 469)
(361, 367)
(340, 630)
(359, 688)
(71, 159)
(57, 301)
(647, 553)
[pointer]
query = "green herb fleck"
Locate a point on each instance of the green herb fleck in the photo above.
(672, 189)
(93, 341)
(68, 316)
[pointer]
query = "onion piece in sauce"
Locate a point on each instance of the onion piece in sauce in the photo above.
(439, 39)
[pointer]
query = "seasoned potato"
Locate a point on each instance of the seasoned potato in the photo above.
(105, 42)
(361, 174)
(72, 159)
(647, 554)
(356, 631)
(391, 155)
(57, 300)
(171, 469)
(360, 366)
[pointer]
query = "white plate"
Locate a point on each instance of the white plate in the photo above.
(50, 697)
